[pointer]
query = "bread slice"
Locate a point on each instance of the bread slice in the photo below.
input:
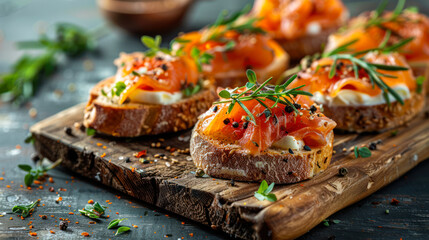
(229, 161)
(238, 78)
(375, 118)
(136, 119)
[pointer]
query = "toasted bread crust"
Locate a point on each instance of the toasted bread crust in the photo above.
(228, 161)
(307, 45)
(134, 119)
(375, 118)
(238, 78)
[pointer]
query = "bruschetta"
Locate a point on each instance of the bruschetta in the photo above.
(152, 93)
(380, 27)
(230, 46)
(300, 26)
(261, 131)
(373, 92)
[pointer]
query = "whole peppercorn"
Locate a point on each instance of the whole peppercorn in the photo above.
(372, 146)
(68, 131)
(343, 172)
(226, 121)
(297, 106)
(288, 109)
(245, 125)
(64, 225)
(235, 125)
(44, 217)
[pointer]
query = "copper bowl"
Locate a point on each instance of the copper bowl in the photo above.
(145, 16)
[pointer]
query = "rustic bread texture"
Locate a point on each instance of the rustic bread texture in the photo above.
(238, 78)
(135, 119)
(375, 118)
(221, 160)
(306, 45)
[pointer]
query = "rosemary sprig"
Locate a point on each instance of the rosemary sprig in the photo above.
(377, 19)
(260, 92)
(234, 23)
(20, 84)
(368, 67)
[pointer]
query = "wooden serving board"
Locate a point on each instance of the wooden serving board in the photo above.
(171, 184)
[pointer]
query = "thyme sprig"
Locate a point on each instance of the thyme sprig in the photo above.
(260, 92)
(154, 46)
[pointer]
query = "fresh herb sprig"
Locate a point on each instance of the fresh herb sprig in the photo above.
(154, 46)
(358, 63)
(377, 19)
(200, 58)
(363, 152)
(36, 173)
(192, 89)
(235, 22)
(25, 210)
(122, 230)
(260, 92)
(264, 192)
(20, 84)
(94, 211)
(115, 223)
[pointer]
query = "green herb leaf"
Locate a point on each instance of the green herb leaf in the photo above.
(122, 230)
(119, 88)
(251, 76)
(90, 131)
(25, 167)
(263, 192)
(89, 214)
(420, 80)
(336, 221)
(363, 152)
(115, 223)
(97, 207)
(25, 210)
(224, 94)
(28, 179)
(29, 139)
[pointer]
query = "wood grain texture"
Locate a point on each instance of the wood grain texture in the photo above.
(171, 185)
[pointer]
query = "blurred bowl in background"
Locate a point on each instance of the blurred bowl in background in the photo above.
(145, 16)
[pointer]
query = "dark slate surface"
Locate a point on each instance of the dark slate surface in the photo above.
(23, 19)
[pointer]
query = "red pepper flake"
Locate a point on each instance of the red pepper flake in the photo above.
(140, 154)
(183, 223)
(92, 222)
(191, 234)
(85, 234)
(52, 216)
(394, 202)
(40, 187)
(118, 197)
(31, 227)
(99, 144)
(37, 182)
(29, 188)
(133, 169)
(117, 213)
(8, 186)
(90, 201)
(71, 213)
(1, 178)
(135, 226)
(51, 180)
(103, 155)
(77, 222)
(110, 203)
(104, 147)
(52, 231)
(33, 234)
(18, 146)
(21, 186)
